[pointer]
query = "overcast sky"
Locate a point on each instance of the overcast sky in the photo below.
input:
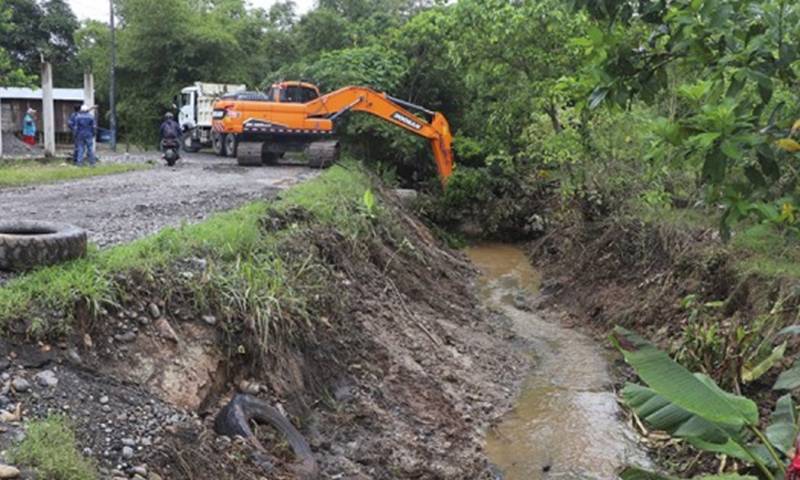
(98, 9)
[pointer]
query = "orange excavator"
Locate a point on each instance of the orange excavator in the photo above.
(258, 128)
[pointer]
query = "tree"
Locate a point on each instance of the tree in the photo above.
(736, 69)
(513, 56)
(46, 31)
(11, 74)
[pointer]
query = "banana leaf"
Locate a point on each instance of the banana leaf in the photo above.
(634, 473)
(696, 394)
(660, 414)
(750, 374)
(782, 429)
(789, 379)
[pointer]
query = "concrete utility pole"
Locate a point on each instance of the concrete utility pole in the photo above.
(88, 88)
(112, 87)
(48, 113)
(1, 126)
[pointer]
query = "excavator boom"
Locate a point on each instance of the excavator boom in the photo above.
(268, 124)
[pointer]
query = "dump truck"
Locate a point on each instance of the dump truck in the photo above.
(294, 116)
(195, 106)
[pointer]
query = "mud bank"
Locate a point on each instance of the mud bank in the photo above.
(375, 347)
(670, 282)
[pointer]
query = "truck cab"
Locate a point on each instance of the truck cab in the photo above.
(292, 92)
(195, 108)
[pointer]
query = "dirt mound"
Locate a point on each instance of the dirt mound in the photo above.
(387, 365)
(631, 273)
(14, 147)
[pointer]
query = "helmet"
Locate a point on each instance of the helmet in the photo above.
(168, 115)
(85, 108)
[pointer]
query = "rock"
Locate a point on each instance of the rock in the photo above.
(46, 378)
(103, 399)
(166, 330)
(140, 470)
(87, 341)
(127, 453)
(129, 442)
(8, 417)
(210, 319)
(20, 384)
(249, 387)
(143, 320)
(126, 337)
(7, 471)
(154, 476)
(155, 312)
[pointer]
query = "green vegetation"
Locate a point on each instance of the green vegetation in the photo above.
(18, 173)
(49, 447)
(693, 408)
(249, 272)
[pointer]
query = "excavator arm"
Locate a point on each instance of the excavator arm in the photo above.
(392, 110)
(265, 128)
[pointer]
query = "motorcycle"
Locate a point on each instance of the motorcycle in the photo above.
(171, 149)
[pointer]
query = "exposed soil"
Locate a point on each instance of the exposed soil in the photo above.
(625, 272)
(400, 379)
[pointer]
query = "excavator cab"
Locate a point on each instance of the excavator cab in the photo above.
(292, 92)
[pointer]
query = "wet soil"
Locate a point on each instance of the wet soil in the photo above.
(566, 422)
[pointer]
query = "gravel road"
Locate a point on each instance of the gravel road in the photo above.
(120, 208)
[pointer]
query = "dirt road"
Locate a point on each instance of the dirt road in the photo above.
(121, 208)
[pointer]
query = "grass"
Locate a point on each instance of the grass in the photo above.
(50, 448)
(245, 275)
(30, 172)
(763, 250)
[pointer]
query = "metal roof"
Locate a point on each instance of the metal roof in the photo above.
(71, 94)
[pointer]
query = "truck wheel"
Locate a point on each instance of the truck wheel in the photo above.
(230, 145)
(190, 145)
(26, 244)
(218, 144)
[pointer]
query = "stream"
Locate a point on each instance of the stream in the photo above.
(566, 423)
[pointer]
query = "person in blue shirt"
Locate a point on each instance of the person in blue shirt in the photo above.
(29, 127)
(71, 125)
(85, 128)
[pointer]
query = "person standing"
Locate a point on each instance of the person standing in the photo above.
(29, 127)
(71, 124)
(85, 129)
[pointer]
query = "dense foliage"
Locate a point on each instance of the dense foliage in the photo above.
(621, 105)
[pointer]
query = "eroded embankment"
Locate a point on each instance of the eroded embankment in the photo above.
(685, 290)
(332, 304)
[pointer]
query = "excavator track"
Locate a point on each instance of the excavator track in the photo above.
(322, 154)
(249, 154)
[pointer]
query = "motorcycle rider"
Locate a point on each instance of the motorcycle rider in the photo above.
(170, 130)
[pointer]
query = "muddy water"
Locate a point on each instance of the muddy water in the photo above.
(566, 423)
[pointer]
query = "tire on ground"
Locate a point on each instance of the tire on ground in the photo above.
(25, 244)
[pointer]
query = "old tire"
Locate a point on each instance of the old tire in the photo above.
(25, 244)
